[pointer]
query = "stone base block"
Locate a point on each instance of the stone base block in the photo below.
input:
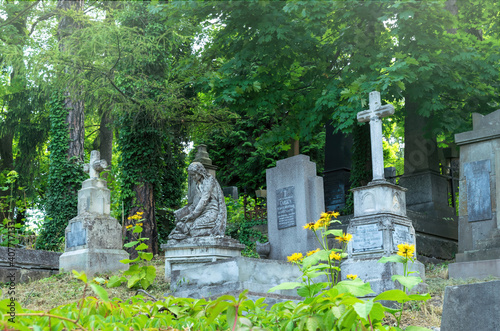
(195, 252)
(379, 274)
(235, 275)
(475, 269)
(479, 255)
(472, 307)
(93, 261)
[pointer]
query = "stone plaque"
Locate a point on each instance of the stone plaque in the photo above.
(77, 236)
(367, 238)
(401, 235)
(478, 190)
(285, 207)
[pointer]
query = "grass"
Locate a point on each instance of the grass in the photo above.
(62, 288)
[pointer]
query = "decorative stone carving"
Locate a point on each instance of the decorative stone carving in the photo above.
(206, 215)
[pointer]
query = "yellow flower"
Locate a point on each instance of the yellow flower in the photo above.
(295, 257)
(352, 277)
(312, 252)
(335, 214)
(406, 250)
(139, 213)
(345, 238)
(309, 226)
(321, 223)
(128, 226)
(335, 256)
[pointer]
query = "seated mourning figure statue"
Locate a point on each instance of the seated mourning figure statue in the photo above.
(205, 213)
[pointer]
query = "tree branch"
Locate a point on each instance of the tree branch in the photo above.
(22, 12)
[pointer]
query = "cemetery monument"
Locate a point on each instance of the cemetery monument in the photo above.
(380, 222)
(93, 237)
(479, 222)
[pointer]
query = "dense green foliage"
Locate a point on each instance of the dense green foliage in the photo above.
(65, 178)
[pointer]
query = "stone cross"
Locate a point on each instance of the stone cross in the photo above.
(95, 166)
(374, 116)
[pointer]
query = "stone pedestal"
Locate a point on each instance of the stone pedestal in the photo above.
(93, 238)
(479, 223)
(295, 197)
(196, 252)
(379, 225)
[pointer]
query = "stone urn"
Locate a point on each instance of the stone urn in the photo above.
(263, 249)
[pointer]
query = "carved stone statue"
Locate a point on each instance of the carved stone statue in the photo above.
(205, 213)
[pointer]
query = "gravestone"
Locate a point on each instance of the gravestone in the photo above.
(472, 307)
(338, 154)
(93, 237)
(230, 191)
(479, 223)
(380, 222)
(295, 197)
(435, 222)
(203, 157)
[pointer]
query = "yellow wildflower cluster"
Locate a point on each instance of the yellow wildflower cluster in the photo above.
(335, 256)
(129, 227)
(352, 277)
(136, 217)
(295, 257)
(345, 238)
(312, 252)
(406, 250)
(322, 222)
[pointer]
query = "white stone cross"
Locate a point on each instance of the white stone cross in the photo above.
(374, 116)
(95, 166)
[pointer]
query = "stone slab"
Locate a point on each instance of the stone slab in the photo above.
(380, 197)
(93, 261)
(28, 264)
(232, 276)
(472, 307)
(475, 269)
(478, 190)
(93, 231)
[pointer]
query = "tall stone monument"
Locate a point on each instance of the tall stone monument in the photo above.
(435, 222)
(479, 222)
(93, 238)
(380, 222)
(295, 197)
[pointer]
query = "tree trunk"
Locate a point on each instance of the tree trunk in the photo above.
(144, 194)
(106, 137)
(73, 100)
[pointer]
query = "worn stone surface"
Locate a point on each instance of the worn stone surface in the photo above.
(230, 191)
(479, 224)
(478, 267)
(28, 264)
(234, 276)
(337, 170)
(194, 252)
(472, 307)
(288, 213)
(93, 238)
(203, 158)
(205, 214)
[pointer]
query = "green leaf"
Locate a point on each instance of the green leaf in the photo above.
(130, 244)
(420, 297)
(355, 287)
(145, 283)
(115, 281)
(127, 261)
(392, 258)
(336, 233)
(313, 323)
(393, 295)
(230, 316)
(146, 256)
(141, 247)
(137, 229)
(407, 281)
(80, 275)
(416, 328)
(363, 309)
(315, 258)
(308, 291)
(377, 312)
(285, 286)
(133, 280)
(100, 292)
(150, 273)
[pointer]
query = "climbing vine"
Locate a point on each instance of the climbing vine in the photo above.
(65, 178)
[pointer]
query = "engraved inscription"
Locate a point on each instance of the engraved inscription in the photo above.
(285, 207)
(478, 190)
(77, 236)
(368, 238)
(401, 235)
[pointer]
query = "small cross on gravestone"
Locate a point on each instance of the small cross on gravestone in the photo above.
(374, 116)
(95, 166)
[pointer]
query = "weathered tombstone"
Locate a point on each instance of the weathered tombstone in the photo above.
(93, 238)
(427, 196)
(472, 307)
(294, 197)
(380, 222)
(338, 154)
(198, 237)
(203, 157)
(479, 222)
(230, 191)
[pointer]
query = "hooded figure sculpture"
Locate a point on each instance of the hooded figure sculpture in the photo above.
(205, 213)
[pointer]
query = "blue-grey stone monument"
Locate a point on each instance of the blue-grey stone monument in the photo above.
(93, 237)
(479, 223)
